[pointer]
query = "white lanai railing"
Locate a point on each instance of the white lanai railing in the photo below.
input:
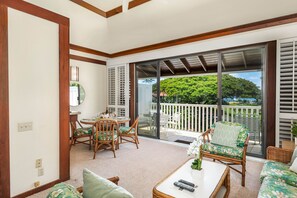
(199, 117)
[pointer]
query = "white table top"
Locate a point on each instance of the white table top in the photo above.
(206, 180)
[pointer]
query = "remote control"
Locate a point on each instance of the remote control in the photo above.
(183, 186)
(186, 182)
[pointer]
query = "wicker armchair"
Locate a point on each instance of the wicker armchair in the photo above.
(279, 154)
(227, 160)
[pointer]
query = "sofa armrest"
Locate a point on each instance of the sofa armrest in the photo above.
(112, 179)
(279, 154)
(206, 135)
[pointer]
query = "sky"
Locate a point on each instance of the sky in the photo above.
(255, 77)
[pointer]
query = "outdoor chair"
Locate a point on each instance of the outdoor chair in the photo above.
(174, 121)
(81, 135)
(229, 155)
(129, 134)
(106, 135)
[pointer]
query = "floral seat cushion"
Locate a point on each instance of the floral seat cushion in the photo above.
(83, 131)
(104, 137)
(63, 190)
(243, 133)
(124, 129)
(233, 152)
(273, 188)
(279, 170)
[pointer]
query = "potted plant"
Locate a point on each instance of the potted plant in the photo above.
(294, 131)
(195, 149)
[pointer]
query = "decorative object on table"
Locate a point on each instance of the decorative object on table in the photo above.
(294, 131)
(195, 149)
(228, 155)
(130, 132)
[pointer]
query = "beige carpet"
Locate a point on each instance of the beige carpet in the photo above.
(140, 169)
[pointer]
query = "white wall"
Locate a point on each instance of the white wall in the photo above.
(87, 28)
(33, 97)
(94, 79)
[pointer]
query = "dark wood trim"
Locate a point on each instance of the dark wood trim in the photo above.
(186, 64)
(88, 50)
(64, 102)
(132, 93)
(214, 34)
(270, 94)
(35, 11)
(119, 9)
(63, 23)
(85, 59)
(90, 7)
(38, 189)
(4, 105)
(169, 66)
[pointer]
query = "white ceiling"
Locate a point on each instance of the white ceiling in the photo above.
(105, 5)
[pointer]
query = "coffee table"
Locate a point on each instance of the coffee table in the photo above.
(212, 181)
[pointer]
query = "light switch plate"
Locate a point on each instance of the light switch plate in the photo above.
(40, 172)
(26, 126)
(38, 163)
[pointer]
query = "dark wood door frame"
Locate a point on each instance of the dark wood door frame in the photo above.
(63, 22)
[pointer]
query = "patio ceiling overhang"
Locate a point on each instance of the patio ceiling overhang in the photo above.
(235, 60)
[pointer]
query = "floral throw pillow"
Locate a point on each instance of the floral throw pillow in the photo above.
(63, 190)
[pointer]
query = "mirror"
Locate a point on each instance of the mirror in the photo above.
(77, 94)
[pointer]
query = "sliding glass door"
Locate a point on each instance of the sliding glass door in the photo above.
(241, 92)
(147, 103)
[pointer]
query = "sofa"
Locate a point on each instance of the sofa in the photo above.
(93, 186)
(277, 180)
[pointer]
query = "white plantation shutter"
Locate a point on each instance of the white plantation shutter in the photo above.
(286, 89)
(118, 90)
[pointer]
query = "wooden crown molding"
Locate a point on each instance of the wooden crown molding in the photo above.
(89, 50)
(85, 59)
(214, 34)
(111, 12)
(199, 37)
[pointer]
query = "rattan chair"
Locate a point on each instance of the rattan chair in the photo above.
(80, 135)
(106, 135)
(227, 160)
(279, 154)
(129, 134)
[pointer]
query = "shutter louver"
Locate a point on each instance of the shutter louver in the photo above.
(111, 86)
(287, 89)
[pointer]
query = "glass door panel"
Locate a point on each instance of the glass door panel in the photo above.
(242, 92)
(147, 103)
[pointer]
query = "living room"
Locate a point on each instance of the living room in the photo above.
(112, 60)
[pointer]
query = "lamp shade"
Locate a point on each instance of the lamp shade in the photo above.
(74, 73)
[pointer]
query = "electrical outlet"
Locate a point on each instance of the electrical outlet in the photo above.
(38, 163)
(40, 172)
(26, 126)
(36, 184)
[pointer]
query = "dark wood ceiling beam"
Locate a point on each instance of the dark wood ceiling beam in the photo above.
(88, 50)
(85, 59)
(170, 66)
(203, 62)
(186, 64)
(90, 7)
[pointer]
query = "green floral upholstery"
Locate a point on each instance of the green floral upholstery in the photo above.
(125, 129)
(243, 133)
(63, 190)
(279, 170)
(275, 188)
(233, 152)
(106, 138)
(83, 131)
